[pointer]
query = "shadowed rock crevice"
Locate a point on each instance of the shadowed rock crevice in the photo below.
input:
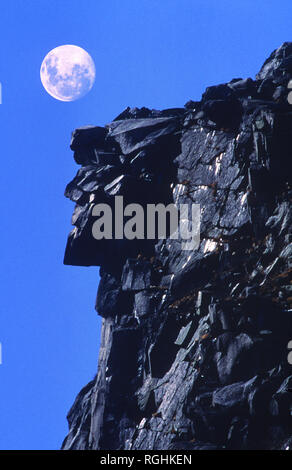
(194, 343)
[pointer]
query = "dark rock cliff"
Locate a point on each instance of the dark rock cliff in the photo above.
(194, 343)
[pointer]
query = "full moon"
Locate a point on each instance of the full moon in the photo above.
(67, 73)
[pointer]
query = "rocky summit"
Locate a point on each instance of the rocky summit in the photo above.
(194, 343)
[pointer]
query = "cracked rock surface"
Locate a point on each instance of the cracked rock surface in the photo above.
(194, 343)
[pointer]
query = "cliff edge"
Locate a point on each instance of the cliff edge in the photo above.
(194, 342)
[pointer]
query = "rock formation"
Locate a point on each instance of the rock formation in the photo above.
(194, 343)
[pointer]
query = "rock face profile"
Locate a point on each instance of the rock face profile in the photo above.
(194, 344)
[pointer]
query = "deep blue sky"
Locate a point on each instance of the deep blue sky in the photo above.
(155, 53)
